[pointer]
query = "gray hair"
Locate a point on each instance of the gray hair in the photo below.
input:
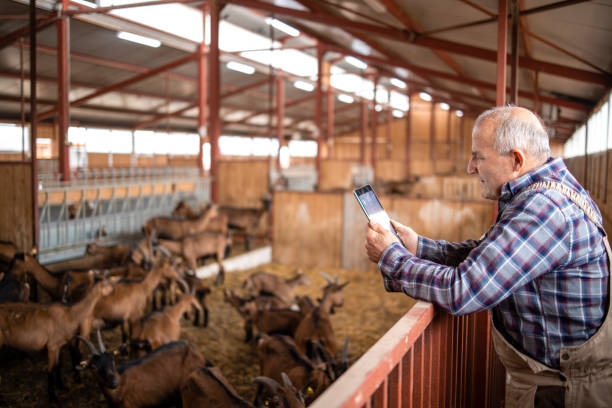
(514, 131)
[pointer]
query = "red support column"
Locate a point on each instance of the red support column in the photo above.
(502, 29)
(374, 127)
(33, 127)
(432, 132)
(389, 122)
(408, 132)
(514, 78)
(330, 117)
(63, 87)
(363, 131)
(280, 114)
(318, 107)
(214, 83)
(202, 90)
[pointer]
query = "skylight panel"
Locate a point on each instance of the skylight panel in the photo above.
(399, 101)
(284, 27)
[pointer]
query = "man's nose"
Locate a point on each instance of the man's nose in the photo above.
(471, 168)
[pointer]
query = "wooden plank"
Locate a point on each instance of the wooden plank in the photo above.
(15, 205)
(308, 229)
(243, 183)
(335, 175)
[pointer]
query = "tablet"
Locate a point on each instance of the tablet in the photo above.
(372, 208)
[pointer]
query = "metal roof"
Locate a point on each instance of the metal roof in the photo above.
(446, 47)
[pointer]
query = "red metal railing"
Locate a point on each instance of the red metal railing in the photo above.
(428, 359)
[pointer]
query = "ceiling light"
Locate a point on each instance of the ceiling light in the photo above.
(139, 39)
(397, 113)
(396, 82)
(425, 96)
(356, 62)
(459, 114)
(285, 28)
(444, 106)
(236, 66)
(378, 108)
(304, 86)
(346, 98)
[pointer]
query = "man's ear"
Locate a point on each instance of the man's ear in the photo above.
(518, 160)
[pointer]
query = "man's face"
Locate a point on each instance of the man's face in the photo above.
(492, 169)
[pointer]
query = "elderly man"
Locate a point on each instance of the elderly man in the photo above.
(542, 269)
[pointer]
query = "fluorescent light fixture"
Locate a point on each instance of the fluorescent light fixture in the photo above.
(378, 108)
(285, 28)
(236, 66)
(356, 62)
(459, 114)
(139, 39)
(397, 113)
(304, 86)
(425, 96)
(346, 98)
(396, 82)
(444, 106)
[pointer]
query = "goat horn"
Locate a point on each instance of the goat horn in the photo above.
(164, 251)
(286, 380)
(184, 285)
(90, 346)
(100, 343)
(327, 277)
(271, 383)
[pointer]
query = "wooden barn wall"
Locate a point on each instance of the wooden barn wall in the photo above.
(243, 183)
(16, 205)
(442, 158)
(329, 229)
(594, 173)
(335, 175)
(308, 229)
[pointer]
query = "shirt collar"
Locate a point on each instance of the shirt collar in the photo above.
(552, 169)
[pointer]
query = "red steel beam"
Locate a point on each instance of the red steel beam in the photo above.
(330, 114)
(319, 108)
(408, 130)
(374, 128)
(439, 44)
(269, 111)
(123, 84)
(363, 129)
(280, 114)
(163, 116)
(104, 10)
(514, 74)
(202, 92)
(456, 78)
(214, 101)
(39, 24)
(502, 39)
(245, 88)
(33, 127)
(63, 89)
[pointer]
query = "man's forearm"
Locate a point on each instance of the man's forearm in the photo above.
(444, 252)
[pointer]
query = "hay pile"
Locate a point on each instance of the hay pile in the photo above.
(368, 312)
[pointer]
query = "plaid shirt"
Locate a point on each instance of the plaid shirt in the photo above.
(542, 268)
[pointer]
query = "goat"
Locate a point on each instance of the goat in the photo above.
(152, 380)
(281, 396)
(164, 227)
(119, 253)
(128, 301)
(7, 252)
(279, 354)
(207, 387)
(245, 219)
(161, 327)
(201, 291)
(250, 308)
(266, 283)
(12, 289)
(217, 223)
(316, 325)
(193, 247)
(33, 327)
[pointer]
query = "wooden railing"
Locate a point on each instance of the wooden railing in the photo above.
(428, 359)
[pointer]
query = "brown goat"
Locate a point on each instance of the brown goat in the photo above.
(316, 325)
(262, 283)
(245, 220)
(33, 326)
(193, 247)
(217, 223)
(128, 301)
(152, 380)
(161, 327)
(207, 387)
(119, 253)
(279, 354)
(280, 396)
(164, 227)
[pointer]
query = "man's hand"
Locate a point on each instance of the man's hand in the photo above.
(409, 238)
(377, 239)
